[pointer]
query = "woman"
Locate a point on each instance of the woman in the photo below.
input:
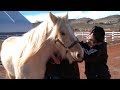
(95, 55)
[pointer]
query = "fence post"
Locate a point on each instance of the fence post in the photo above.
(82, 34)
(112, 35)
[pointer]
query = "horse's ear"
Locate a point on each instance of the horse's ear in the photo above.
(66, 16)
(53, 18)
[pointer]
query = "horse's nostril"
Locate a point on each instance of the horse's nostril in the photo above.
(78, 55)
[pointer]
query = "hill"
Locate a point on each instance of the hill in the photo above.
(109, 23)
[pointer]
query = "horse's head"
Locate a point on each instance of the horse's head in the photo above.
(65, 40)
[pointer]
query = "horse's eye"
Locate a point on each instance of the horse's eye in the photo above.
(62, 33)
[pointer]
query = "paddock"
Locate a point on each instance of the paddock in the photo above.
(113, 55)
(113, 63)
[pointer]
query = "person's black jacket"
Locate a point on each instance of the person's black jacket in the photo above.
(96, 60)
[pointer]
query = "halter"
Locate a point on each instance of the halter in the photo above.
(67, 48)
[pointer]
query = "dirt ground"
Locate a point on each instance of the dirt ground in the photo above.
(113, 63)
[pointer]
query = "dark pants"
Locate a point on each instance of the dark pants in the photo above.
(52, 76)
(95, 76)
(62, 71)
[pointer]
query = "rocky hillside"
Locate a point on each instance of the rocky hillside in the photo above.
(110, 23)
(114, 19)
(36, 23)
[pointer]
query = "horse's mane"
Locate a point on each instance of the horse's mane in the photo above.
(35, 39)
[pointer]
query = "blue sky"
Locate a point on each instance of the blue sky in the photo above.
(34, 16)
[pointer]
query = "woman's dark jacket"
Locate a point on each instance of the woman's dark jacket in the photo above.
(96, 60)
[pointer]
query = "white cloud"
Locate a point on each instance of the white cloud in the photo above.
(74, 15)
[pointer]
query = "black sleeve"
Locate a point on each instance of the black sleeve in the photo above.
(84, 45)
(90, 55)
(96, 54)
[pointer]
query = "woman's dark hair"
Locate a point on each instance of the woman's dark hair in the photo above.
(98, 33)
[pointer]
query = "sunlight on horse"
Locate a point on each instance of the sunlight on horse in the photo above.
(26, 56)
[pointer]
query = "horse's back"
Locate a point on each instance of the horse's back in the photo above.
(7, 46)
(9, 41)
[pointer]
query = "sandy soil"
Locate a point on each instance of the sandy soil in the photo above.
(113, 63)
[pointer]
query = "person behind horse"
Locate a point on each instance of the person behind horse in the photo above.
(95, 55)
(62, 69)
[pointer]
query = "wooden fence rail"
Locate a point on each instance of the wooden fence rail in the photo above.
(109, 36)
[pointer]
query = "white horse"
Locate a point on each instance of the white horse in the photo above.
(25, 57)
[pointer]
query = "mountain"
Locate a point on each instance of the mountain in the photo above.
(36, 23)
(109, 23)
(114, 19)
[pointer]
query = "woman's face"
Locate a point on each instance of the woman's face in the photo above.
(90, 37)
(91, 40)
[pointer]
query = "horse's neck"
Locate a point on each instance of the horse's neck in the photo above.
(36, 42)
(35, 37)
(46, 51)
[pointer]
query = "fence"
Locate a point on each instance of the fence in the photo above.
(109, 36)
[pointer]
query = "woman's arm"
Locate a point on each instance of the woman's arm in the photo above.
(95, 54)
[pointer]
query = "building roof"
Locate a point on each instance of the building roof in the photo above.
(13, 21)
